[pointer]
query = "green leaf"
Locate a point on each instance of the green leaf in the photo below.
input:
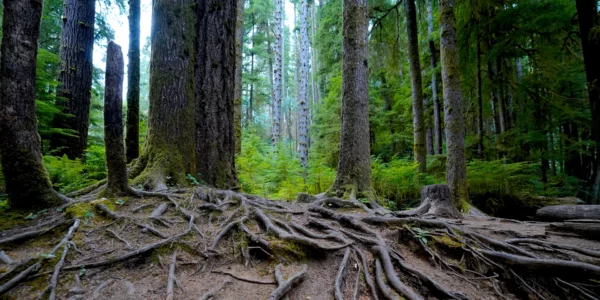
(31, 216)
(47, 255)
(88, 215)
(424, 240)
(82, 271)
(120, 202)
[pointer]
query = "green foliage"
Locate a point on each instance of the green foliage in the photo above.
(399, 180)
(69, 175)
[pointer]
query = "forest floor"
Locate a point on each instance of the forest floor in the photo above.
(201, 243)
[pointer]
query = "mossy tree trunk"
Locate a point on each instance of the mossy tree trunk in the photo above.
(437, 119)
(419, 129)
(587, 12)
(303, 106)
(75, 78)
(354, 166)
(27, 182)
(456, 166)
(214, 77)
(132, 141)
(169, 151)
(116, 183)
(239, 66)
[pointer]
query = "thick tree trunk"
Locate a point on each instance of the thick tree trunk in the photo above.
(354, 165)
(75, 79)
(116, 183)
(437, 119)
(277, 72)
(416, 83)
(27, 182)
(587, 12)
(303, 114)
(456, 167)
(215, 75)
(435, 201)
(169, 151)
(132, 139)
(239, 66)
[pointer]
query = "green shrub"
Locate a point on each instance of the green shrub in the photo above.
(399, 181)
(69, 175)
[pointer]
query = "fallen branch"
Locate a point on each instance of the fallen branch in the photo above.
(588, 252)
(243, 278)
(210, 294)
(171, 280)
(30, 234)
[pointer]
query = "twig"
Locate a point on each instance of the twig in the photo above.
(242, 278)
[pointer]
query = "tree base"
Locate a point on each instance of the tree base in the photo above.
(435, 201)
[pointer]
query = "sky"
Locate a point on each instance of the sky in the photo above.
(119, 23)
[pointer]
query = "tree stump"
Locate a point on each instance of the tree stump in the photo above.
(568, 212)
(435, 200)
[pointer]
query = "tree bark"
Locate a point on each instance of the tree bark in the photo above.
(480, 132)
(169, 151)
(416, 83)
(303, 120)
(27, 183)
(116, 183)
(587, 12)
(437, 120)
(354, 165)
(568, 212)
(239, 66)
(277, 72)
(495, 95)
(456, 167)
(215, 75)
(75, 78)
(132, 139)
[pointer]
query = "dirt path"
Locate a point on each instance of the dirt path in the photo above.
(181, 246)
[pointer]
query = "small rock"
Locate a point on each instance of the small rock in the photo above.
(130, 288)
(305, 198)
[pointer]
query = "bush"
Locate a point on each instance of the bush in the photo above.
(399, 181)
(70, 175)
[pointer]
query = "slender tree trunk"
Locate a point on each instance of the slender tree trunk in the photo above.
(251, 98)
(239, 66)
(416, 83)
(587, 12)
(315, 66)
(169, 151)
(27, 183)
(495, 95)
(456, 167)
(75, 79)
(132, 139)
(480, 131)
(437, 119)
(303, 116)
(277, 72)
(354, 165)
(116, 183)
(215, 75)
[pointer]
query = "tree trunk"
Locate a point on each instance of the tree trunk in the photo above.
(116, 183)
(480, 132)
(27, 182)
(568, 212)
(75, 79)
(239, 66)
(132, 139)
(277, 72)
(315, 67)
(587, 12)
(456, 167)
(303, 121)
(437, 120)
(169, 151)
(495, 95)
(416, 83)
(215, 75)
(354, 165)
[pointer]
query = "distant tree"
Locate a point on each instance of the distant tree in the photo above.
(27, 182)
(214, 77)
(437, 120)
(456, 165)
(239, 66)
(303, 104)
(75, 78)
(277, 72)
(133, 83)
(169, 153)
(419, 142)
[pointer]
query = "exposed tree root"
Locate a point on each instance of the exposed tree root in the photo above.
(287, 285)
(210, 294)
(249, 229)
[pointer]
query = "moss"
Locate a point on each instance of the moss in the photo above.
(289, 250)
(86, 209)
(11, 219)
(447, 241)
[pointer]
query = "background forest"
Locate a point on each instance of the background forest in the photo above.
(527, 114)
